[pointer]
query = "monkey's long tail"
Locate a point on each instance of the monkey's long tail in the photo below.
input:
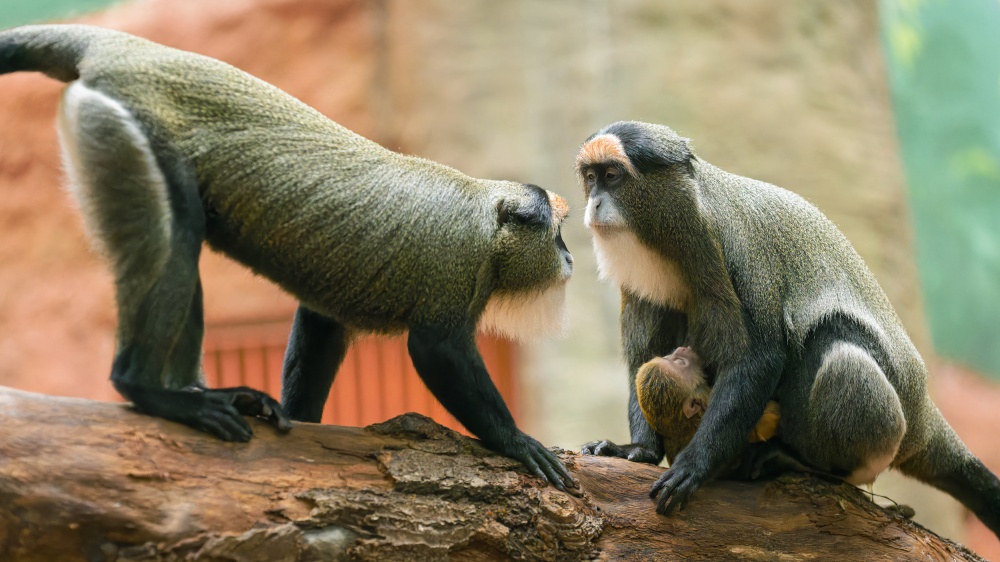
(948, 465)
(56, 50)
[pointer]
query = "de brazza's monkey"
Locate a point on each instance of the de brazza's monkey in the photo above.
(166, 149)
(778, 305)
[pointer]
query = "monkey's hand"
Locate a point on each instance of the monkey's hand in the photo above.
(542, 462)
(220, 411)
(635, 452)
(674, 488)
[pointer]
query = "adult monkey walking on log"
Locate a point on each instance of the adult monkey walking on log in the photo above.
(778, 305)
(167, 149)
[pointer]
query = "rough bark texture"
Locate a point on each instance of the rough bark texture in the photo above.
(84, 480)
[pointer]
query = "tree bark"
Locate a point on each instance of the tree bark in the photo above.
(95, 481)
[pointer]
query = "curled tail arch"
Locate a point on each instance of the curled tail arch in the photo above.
(55, 50)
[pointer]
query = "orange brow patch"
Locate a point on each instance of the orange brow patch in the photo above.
(603, 149)
(560, 208)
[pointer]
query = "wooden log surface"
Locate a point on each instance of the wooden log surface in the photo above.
(95, 481)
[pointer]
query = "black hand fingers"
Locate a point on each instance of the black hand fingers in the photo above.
(223, 421)
(546, 461)
(601, 449)
(274, 413)
(675, 494)
(548, 466)
(660, 482)
(607, 449)
(544, 464)
(250, 402)
(533, 466)
(561, 470)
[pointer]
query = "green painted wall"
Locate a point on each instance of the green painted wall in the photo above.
(17, 12)
(944, 70)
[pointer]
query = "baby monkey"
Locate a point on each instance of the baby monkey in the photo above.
(673, 395)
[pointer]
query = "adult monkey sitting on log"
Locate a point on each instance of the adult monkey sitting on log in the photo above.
(776, 302)
(166, 149)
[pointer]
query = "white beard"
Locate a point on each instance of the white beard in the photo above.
(522, 317)
(630, 264)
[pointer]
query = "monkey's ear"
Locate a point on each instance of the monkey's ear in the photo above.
(693, 406)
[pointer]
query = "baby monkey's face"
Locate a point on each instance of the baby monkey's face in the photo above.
(683, 366)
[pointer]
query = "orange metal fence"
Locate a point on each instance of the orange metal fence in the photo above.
(376, 382)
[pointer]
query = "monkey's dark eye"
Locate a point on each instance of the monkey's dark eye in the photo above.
(611, 174)
(591, 176)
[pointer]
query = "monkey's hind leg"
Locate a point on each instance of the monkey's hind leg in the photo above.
(148, 221)
(839, 411)
(316, 348)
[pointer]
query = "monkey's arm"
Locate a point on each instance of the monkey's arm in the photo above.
(648, 331)
(738, 400)
(452, 368)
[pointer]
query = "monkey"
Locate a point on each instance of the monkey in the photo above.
(673, 394)
(778, 305)
(166, 149)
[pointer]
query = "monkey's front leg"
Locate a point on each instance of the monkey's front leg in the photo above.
(648, 330)
(452, 368)
(738, 400)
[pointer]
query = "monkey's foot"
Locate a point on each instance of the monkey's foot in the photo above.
(218, 411)
(632, 451)
(766, 460)
(249, 402)
(542, 462)
(771, 459)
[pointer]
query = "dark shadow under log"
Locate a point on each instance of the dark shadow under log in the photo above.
(84, 480)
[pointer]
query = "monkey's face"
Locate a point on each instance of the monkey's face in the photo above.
(532, 265)
(602, 167)
(684, 366)
(633, 178)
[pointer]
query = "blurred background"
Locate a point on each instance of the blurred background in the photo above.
(886, 115)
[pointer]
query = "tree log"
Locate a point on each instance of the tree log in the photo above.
(94, 481)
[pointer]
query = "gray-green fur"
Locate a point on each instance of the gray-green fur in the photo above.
(195, 150)
(327, 214)
(782, 307)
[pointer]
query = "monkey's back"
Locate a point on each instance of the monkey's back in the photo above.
(805, 270)
(355, 231)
